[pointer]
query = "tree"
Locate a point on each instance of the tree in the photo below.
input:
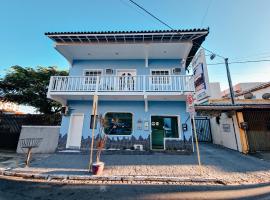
(29, 86)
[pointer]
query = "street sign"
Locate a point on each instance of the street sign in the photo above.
(190, 104)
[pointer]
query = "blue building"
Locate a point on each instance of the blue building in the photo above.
(137, 78)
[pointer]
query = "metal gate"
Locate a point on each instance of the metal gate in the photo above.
(258, 132)
(203, 129)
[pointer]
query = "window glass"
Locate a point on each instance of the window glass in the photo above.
(118, 123)
(92, 73)
(160, 79)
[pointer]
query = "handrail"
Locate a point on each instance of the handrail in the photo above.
(114, 83)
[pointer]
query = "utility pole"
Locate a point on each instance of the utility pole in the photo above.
(229, 80)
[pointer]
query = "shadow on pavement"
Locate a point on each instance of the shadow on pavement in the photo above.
(20, 190)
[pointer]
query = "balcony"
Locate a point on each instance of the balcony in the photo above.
(64, 88)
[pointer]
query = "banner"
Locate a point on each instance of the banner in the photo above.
(201, 81)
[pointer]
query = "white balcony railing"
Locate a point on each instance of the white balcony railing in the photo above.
(172, 83)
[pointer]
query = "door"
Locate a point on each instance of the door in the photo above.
(258, 131)
(163, 126)
(75, 131)
(127, 78)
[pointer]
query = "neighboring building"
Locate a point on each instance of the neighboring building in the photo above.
(140, 81)
(261, 91)
(240, 87)
(251, 108)
(9, 108)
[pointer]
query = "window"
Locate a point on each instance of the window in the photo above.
(160, 72)
(118, 123)
(159, 77)
(92, 75)
(92, 72)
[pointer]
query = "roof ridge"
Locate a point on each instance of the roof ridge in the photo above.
(258, 87)
(128, 32)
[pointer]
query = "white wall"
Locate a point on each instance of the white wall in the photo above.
(221, 137)
(49, 135)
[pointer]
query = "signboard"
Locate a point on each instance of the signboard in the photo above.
(190, 104)
(201, 81)
(226, 128)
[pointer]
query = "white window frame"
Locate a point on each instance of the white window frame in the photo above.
(160, 69)
(86, 70)
(87, 82)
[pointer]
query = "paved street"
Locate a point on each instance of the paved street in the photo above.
(221, 163)
(41, 191)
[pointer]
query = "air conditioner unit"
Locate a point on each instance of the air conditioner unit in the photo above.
(108, 71)
(176, 71)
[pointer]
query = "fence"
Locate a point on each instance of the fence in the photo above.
(10, 126)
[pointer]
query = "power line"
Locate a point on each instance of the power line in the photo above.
(240, 62)
(206, 12)
(151, 14)
(255, 56)
(142, 8)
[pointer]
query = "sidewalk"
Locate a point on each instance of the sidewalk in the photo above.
(218, 164)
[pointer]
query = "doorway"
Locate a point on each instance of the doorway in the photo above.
(75, 131)
(163, 127)
(127, 79)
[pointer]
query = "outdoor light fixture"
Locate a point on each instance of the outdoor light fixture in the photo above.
(212, 56)
(244, 125)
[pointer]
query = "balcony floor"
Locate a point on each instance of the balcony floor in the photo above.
(119, 96)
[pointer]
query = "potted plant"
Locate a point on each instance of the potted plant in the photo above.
(98, 166)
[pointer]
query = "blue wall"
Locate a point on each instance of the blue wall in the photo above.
(135, 107)
(79, 65)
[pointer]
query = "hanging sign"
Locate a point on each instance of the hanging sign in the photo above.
(200, 73)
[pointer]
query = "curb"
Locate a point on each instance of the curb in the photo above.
(95, 178)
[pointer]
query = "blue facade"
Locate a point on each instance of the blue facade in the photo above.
(137, 108)
(79, 66)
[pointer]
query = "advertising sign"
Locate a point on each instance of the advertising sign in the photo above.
(201, 81)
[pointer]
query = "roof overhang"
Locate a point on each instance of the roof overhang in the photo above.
(124, 51)
(172, 44)
(235, 107)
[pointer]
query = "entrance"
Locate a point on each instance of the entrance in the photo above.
(203, 129)
(258, 132)
(127, 79)
(75, 131)
(163, 127)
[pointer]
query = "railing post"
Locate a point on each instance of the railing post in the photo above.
(144, 83)
(97, 84)
(50, 84)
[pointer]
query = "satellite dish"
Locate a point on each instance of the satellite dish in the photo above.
(248, 95)
(266, 96)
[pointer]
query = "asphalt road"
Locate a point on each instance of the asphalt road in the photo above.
(21, 190)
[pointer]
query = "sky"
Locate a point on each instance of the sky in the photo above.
(239, 29)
